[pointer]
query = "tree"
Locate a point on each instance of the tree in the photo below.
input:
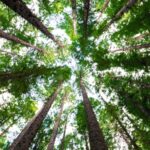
(95, 134)
(132, 47)
(64, 136)
(56, 125)
(104, 7)
(17, 40)
(25, 138)
(132, 142)
(20, 8)
(108, 40)
(74, 15)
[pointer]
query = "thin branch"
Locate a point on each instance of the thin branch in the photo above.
(20, 8)
(131, 47)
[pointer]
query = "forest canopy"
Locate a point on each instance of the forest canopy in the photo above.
(74, 75)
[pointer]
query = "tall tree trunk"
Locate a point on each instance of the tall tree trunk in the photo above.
(17, 40)
(23, 141)
(132, 141)
(104, 7)
(123, 10)
(96, 138)
(111, 111)
(74, 16)
(85, 17)
(20, 8)
(86, 141)
(131, 48)
(56, 125)
(62, 146)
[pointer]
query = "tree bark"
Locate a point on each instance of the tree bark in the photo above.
(131, 48)
(23, 141)
(104, 7)
(123, 10)
(86, 15)
(96, 138)
(17, 40)
(64, 136)
(127, 134)
(20, 8)
(56, 125)
(141, 36)
(74, 16)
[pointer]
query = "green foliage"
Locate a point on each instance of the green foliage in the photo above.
(26, 74)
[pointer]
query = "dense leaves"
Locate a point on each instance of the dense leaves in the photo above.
(96, 49)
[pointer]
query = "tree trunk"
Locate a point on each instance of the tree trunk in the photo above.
(23, 141)
(56, 125)
(86, 15)
(64, 135)
(111, 111)
(86, 141)
(104, 7)
(131, 48)
(96, 138)
(141, 36)
(123, 10)
(74, 16)
(20, 8)
(17, 40)
(25, 73)
(127, 134)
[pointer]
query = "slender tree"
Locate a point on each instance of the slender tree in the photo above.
(17, 40)
(56, 125)
(62, 146)
(104, 7)
(96, 138)
(120, 13)
(20, 7)
(123, 128)
(23, 141)
(74, 15)
(131, 48)
(123, 10)
(85, 16)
